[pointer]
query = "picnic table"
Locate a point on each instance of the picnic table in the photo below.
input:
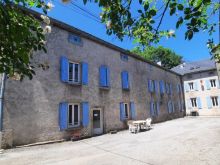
(140, 124)
(136, 126)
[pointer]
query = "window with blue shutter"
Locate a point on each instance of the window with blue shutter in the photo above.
(84, 73)
(104, 76)
(85, 112)
(74, 39)
(125, 80)
(63, 116)
(162, 87)
(151, 85)
(168, 107)
(199, 104)
(64, 64)
(124, 57)
(208, 85)
(133, 112)
(122, 112)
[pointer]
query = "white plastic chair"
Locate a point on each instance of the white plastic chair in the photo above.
(148, 123)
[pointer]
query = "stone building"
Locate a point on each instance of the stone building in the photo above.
(88, 87)
(201, 87)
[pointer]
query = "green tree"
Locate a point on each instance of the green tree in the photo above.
(21, 34)
(165, 56)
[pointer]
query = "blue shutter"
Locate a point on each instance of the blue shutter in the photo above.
(218, 83)
(186, 87)
(63, 115)
(85, 112)
(171, 89)
(208, 85)
(158, 108)
(107, 77)
(189, 104)
(173, 108)
(196, 86)
(177, 88)
(102, 76)
(156, 86)
(122, 112)
(64, 64)
(152, 108)
(209, 102)
(161, 87)
(125, 80)
(84, 73)
(149, 85)
(168, 106)
(179, 105)
(199, 104)
(133, 112)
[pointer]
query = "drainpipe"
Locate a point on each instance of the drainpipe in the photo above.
(1, 100)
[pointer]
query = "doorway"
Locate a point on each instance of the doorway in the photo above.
(97, 119)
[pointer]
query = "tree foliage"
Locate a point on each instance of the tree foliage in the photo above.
(143, 23)
(165, 56)
(20, 34)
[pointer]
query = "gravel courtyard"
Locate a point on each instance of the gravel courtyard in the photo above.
(183, 141)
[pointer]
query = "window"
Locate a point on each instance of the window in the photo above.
(213, 83)
(124, 57)
(125, 80)
(215, 102)
(73, 115)
(193, 102)
(74, 72)
(74, 39)
(104, 80)
(191, 86)
(126, 109)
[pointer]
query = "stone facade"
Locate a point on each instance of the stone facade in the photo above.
(202, 92)
(31, 107)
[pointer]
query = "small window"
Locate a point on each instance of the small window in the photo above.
(74, 72)
(215, 102)
(191, 86)
(73, 115)
(126, 109)
(213, 83)
(124, 57)
(74, 39)
(193, 102)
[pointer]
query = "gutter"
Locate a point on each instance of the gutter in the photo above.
(1, 100)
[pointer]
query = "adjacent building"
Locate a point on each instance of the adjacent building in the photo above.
(87, 87)
(201, 87)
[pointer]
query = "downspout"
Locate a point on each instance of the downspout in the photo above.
(1, 100)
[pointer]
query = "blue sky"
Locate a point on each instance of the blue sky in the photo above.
(191, 50)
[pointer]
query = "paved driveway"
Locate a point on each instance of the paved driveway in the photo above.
(183, 141)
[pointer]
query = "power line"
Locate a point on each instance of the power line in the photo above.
(85, 10)
(76, 10)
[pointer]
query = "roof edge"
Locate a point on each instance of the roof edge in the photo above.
(84, 34)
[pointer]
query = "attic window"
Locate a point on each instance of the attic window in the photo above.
(74, 39)
(124, 57)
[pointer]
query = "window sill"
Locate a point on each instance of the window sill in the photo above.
(104, 88)
(70, 128)
(74, 83)
(126, 89)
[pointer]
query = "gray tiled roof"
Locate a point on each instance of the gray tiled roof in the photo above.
(196, 66)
